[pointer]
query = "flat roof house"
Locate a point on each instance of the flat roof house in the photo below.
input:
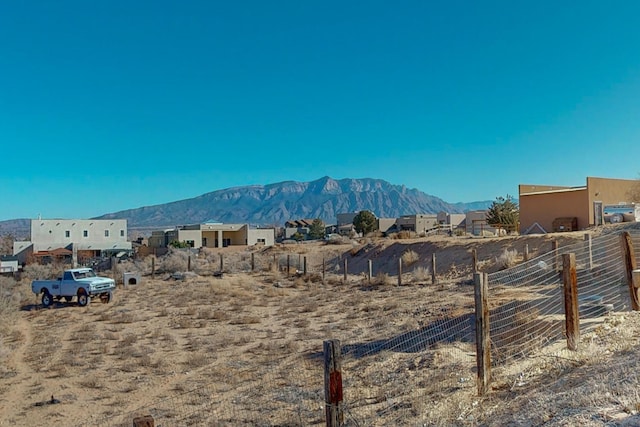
(542, 206)
(213, 235)
(71, 237)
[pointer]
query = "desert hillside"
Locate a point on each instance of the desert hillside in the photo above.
(245, 348)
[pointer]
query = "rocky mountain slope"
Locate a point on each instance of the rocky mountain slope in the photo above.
(273, 204)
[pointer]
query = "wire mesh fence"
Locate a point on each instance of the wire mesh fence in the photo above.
(407, 377)
(279, 388)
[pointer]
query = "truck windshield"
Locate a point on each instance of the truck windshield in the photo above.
(82, 274)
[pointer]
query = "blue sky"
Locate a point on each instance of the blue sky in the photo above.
(111, 105)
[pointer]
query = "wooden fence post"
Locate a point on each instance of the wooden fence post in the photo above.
(526, 252)
(399, 271)
(288, 264)
(474, 260)
(571, 312)
(324, 267)
(370, 270)
(253, 262)
(630, 266)
(189, 263)
(333, 383)
(304, 265)
(144, 421)
(483, 341)
(153, 267)
(434, 279)
(345, 270)
(221, 263)
(587, 239)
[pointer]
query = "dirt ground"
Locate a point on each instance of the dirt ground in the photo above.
(233, 336)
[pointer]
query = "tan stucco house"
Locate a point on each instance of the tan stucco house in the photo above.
(543, 206)
(213, 235)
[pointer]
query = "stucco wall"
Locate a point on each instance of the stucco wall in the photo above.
(49, 234)
(543, 208)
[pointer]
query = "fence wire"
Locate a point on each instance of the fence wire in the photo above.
(409, 378)
(270, 393)
(527, 301)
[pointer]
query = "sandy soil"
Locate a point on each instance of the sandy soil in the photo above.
(240, 336)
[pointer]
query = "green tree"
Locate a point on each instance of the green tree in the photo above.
(316, 230)
(365, 222)
(298, 236)
(504, 213)
(179, 245)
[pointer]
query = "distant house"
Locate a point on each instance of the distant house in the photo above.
(419, 223)
(66, 239)
(475, 223)
(452, 220)
(300, 226)
(213, 235)
(9, 264)
(583, 206)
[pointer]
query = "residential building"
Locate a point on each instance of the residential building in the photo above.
(583, 206)
(70, 238)
(419, 223)
(213, 235)
(475, 223)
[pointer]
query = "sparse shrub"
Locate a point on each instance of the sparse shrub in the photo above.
(421, 274)
(335, 239)
(38, 272)
(507, 258)
(174, 261)
(409, 257)
(383, 279)
(400, 235)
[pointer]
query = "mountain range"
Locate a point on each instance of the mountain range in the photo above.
(273, 204)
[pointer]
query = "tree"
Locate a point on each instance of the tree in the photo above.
(297, 236)
(316, 230)
(365, 222)
(504, 213)
(179, 245)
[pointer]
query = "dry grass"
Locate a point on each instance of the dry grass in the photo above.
(252, 343)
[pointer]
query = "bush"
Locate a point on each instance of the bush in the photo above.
(421, 274)
(409, 257)
(41, 272)
(507, 258)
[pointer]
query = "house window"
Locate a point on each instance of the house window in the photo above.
(191, 243)
(106, 233)
(121, 233)
(67, 233)
(85, 233)
(262, 241)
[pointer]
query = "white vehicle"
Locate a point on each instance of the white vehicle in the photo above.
(623, 212)
(81, 283)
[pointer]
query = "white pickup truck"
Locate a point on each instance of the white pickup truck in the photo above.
(78, 282)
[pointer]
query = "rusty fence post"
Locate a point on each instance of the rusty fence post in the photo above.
(333, 383)
(571, 310)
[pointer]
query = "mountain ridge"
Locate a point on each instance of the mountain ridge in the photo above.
(274, 204)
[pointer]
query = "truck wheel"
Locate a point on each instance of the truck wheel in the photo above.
(47, 299)
(617, 218)
(83, 298)
(105, 298)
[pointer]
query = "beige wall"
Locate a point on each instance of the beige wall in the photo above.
(49, 234)
(609, 192)
(551, 202)
(543, 208)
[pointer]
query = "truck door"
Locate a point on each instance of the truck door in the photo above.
(68, 285)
